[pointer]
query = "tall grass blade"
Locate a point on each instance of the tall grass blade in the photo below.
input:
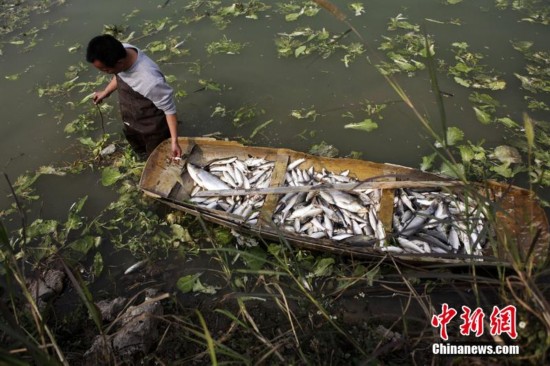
(209, 340)
(435, 87)
(85, 295)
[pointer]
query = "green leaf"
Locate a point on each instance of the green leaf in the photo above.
(323, 267)
(298, 51)
(12, 77)
(366, 125)
(186, 283)
(257, 258)
(467, 154)
(508, 122)
(292, 17)
(454, 135)
(507, 154)
(110, 176)
(503, 170)
(205, 289)
(83, 245)
(452, 170)
(97, 266)
(522, 46)
(462, 82)
(496, 84)
(42, 227)
(427, 161)
(483, 116)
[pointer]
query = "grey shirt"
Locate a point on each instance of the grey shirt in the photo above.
(145, 77)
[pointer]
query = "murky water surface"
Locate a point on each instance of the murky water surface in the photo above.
(259, 80)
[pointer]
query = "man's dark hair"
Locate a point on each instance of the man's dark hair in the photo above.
(105, 48)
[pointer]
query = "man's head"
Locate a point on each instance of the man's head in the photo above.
(106, 53)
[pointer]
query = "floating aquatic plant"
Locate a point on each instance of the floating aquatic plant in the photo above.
(304, 113)
(225, 46)
(305, 41)
(469, 72)
(538, 68)
(367, 125)
(357, 8)
(406, 51)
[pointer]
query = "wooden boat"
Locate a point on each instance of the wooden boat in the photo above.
(521, 222)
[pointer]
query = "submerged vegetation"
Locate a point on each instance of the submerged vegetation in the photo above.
(234, 299)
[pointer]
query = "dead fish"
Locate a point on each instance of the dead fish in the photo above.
(294, 164)
(134, 267)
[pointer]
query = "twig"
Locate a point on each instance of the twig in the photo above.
(102, 120)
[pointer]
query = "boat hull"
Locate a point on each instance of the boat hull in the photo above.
(522, 226)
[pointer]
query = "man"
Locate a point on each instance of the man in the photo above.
(146, 100)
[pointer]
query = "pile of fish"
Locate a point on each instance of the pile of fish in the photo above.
(232, 173)
(329, 213)
(437, 222)
(424, 221)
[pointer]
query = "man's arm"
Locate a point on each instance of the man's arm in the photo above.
(172, 121)
(111, 87)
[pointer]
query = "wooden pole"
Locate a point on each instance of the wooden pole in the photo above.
(359, 186)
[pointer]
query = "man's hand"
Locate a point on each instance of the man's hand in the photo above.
(176, 150)
(111, 87)
(99, 96)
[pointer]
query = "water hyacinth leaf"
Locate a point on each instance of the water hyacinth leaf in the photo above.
(496, 84)
(522, 46)
(186, 283)
(293, 17)
(427, 162)
(467, 154)
(223, 236)
(298, 51)
(323, 267)
(110, 176)
(256, 260)
(205, 289)
(507, 154)
(503, 170)
(48, 169)
(367, 125)
(483, 99)
(357, 8)
(508, 122)
(156, 46)
(324, 149)
(79, 248)
(452, 170)
(41, 227)
(181, 233)
(483, 116)
(97, 265)
(13, 77)
(454, 135)
(462, 82)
